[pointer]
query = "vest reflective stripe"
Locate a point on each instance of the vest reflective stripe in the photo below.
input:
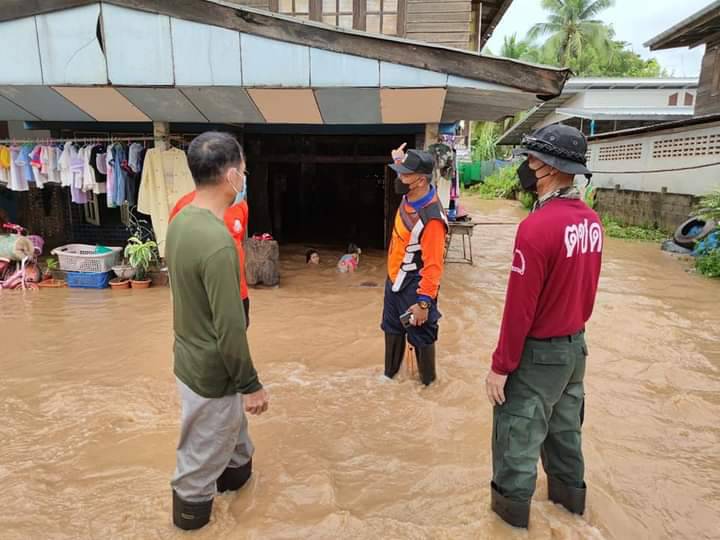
(415, 223)
(409, 260)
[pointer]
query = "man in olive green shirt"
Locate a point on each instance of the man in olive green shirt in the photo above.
(215, 375)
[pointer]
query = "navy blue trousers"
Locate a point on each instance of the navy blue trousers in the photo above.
(397, 303)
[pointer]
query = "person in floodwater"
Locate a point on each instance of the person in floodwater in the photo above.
(415, 265)
(216, 379)
(312, 257)
(351, 260)
(236, 220)
(536, 380)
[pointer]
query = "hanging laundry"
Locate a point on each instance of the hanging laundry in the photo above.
(110, 177)
(23, 161)
(17, 179)
(4, 165)
(66, 176)
(118, 156)
(49, 156)
(165, 178)
(136, 153)
(36, 165)
(97, 156)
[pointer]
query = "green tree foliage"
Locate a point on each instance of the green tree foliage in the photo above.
(577, 39)
(502, 184)
(519, 49)
(484, 140)
(572, 28)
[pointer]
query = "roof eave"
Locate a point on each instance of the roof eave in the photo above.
(545, 82)
(485, 36)
(669, 38)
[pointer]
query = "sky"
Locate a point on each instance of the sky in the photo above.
(635, 21)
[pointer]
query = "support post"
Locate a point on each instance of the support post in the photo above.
(432, 131)
(161, 130)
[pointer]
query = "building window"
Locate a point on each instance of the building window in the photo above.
(338, 13)
(673, 100)
(296, 8)
(689, 99)
(382, 17)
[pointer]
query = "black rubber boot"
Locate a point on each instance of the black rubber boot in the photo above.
(233, 478)
(189, 516)
(515, 513)
(394, 352)
(571, 497)
(426, 363)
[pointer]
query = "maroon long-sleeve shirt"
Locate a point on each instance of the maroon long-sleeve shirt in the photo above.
(554, 278)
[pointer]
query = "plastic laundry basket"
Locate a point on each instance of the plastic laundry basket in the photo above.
(83, 258)
(86, 280)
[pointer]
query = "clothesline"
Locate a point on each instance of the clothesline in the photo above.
(90, 139)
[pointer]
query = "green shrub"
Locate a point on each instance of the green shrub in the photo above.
(709, 265)
(615, 229)
(709, 207)
(502, 184)
(590, 196)
(527, 199)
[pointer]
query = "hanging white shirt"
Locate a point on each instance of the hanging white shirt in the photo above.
(49, 158)
(66, 175)
(88, 173)
(17, 178)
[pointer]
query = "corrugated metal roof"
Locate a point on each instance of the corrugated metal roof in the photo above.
(690, 32)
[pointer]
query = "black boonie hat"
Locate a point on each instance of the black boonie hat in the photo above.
(415, 162)
(562, 147)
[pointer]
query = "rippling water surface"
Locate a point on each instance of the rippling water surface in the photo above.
(90, 415)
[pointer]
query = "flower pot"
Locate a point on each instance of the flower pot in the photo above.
(159, 278)
(52, 284)
(119, 283)
(124, 271)
(144, 284)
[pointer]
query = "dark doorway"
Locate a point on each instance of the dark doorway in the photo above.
(320, 189)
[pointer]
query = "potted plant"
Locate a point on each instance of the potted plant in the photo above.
(140, 254)
(119, 283)
(51, 267)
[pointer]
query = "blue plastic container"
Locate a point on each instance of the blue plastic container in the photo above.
(88, 280)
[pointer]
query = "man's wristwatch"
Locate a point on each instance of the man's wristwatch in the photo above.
(424, 304)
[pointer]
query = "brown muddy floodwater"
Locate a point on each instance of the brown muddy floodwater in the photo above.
(90, 415)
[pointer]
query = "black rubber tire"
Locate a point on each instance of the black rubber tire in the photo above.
(682, 238)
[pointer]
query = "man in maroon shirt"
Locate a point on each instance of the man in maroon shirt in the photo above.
(536, 379)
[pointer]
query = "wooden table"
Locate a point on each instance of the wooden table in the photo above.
(465, 230)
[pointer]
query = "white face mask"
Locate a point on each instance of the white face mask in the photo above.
(239, 195)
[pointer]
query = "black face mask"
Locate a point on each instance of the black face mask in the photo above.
(400, 187)
(528, 179)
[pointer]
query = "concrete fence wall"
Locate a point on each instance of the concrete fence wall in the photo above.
(648, 209)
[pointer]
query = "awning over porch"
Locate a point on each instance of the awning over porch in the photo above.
(211, 61)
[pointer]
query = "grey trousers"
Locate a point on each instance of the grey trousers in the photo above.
(213, 436)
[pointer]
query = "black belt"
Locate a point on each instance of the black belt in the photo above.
(561, 339)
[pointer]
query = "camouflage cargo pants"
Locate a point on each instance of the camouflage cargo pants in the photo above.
(541, 417)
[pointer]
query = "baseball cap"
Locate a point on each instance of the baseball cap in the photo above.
(415, 162)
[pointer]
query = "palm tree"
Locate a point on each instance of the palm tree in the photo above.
(572, 27)
(517, 49)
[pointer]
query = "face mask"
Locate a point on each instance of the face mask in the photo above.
(400, 187)
(528, 179)
(238, 194)
(240, 197)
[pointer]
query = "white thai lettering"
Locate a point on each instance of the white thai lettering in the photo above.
(519, 265)
(583, 238)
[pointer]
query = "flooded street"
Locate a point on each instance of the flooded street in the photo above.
(90, 413)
